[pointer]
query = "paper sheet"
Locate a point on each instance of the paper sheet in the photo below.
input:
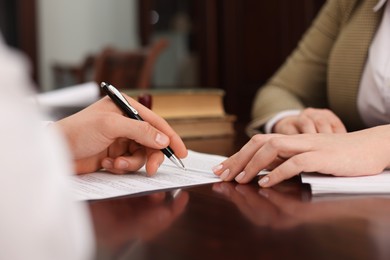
(64, 102)
(80, 95)
(101, 185)
(325, 184)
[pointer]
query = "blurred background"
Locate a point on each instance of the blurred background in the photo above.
(234, 45)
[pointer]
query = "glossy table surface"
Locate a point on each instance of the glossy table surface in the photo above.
(231, 221)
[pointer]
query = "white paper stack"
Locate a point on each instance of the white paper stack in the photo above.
(326, 184)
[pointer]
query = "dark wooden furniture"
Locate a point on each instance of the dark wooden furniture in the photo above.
(239, 43)
(231, 221)
(126, 69)
(18, 24)
(131, 69)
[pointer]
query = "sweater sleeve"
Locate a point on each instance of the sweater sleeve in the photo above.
(301, 81)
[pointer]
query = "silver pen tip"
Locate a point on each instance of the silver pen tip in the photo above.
(177, 162)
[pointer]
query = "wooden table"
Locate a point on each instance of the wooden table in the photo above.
(231, 221)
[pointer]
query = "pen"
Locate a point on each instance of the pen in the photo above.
(131, 112)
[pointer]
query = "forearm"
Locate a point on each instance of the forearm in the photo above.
(381, 143)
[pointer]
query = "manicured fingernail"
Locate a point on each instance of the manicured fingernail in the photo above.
(107, 164)
(263, 180)
(161, 139)
(122, 164)
(240, 176)
(217, 168)
(225, 174)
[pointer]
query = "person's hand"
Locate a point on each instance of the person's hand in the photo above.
(310, 120)
(100, 136)
(363, 152)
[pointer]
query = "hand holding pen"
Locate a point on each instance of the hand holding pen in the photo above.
(131, 112)
(100, 136)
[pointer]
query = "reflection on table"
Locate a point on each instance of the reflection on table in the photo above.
(232, 221)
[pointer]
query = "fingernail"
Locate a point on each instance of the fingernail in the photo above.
(217, 168)
(263, 181)
(122, 164)
(240, 176)
(162, 139)
(225, 174)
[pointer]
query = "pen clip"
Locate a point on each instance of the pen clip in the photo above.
(122, 98)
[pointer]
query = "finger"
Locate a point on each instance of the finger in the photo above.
(117, 126)
(277, 161)
(119, 147)
(123, 165)
(286, 125)
(271, 152)
(323, 126)
(131, 162)
(124, 157)
(291, 167)
(304, 125)
(338, 126)
(154, 160)
(159, 123)
(265, 156)
(290, 129)
(324, 120)
(147, 138)
(228, 169)
(108, 165)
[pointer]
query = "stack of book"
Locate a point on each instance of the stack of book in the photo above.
(192, 113)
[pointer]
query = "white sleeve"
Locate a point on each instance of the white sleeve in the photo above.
(270, 123)
(39, 218)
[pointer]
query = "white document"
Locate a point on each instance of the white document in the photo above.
(101, 185)
(80, 95)
(326, 184)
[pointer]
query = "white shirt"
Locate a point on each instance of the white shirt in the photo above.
(374, 93)
(39, 218)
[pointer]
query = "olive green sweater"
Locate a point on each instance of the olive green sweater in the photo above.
(325, 69)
